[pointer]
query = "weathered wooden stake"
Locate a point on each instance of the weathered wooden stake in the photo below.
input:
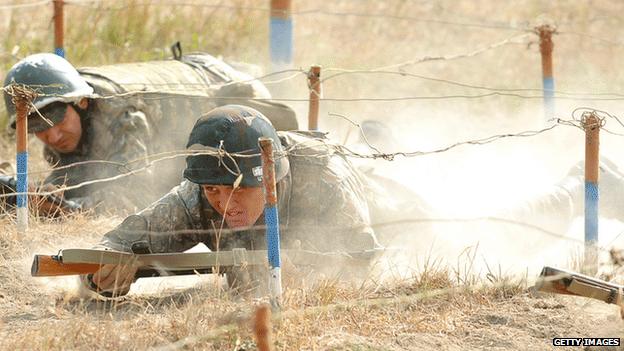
(281, 29)
(546, 48)
(58, 28)
(21, 133)
(314, 83)
(262, 327)
(591, 124)
(271, 220)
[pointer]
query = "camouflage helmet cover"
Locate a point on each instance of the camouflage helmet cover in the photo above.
(51, 76)
(234, 129)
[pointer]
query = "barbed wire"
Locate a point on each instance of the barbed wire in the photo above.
(317, 11)
(168, 94)
(507, 41)
(593, 37)
(344, 150)
(486, 140)
(149, 160)
(177, 87)
(602, 116)
(163, 94)
(412, 19)
(376, 226)
(461, 84)
(30, 4)
(479, 24)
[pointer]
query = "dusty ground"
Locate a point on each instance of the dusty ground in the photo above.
(427, 311)
(48, 314)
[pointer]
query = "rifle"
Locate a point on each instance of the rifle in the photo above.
(561, 281)
(89, 261)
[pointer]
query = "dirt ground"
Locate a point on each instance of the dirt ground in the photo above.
(423, 312)
(456, 322)
(416, 312)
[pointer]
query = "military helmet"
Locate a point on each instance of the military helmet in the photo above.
(51, 76)
(234, 129)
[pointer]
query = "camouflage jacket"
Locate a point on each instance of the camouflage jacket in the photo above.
(322, 207)
(159, 105)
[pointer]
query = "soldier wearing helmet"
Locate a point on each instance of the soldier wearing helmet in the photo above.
(116, 117)
(321, 197)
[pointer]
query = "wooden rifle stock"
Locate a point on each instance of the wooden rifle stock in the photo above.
(560, 281)
(88, 261)
(53, 266)
(49, 266)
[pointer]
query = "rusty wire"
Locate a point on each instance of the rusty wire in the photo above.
(507, 41)
(150, 160)
(20, 93)
(21, 6)
(504, 92)
(318, 11)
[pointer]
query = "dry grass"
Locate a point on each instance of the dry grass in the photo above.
(440, 306)
(426, 310)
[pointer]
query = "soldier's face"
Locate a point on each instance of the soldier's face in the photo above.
(64, 136)
(240, 208)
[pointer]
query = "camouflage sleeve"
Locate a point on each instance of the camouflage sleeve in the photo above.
(130, 135)
(168, 225)
(344, 208)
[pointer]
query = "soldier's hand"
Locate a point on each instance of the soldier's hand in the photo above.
(113, 279)
(7, 187)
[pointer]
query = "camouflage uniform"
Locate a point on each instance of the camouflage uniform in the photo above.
(322, 207)
(124, 130)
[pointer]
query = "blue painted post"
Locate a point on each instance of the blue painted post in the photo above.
(546, 48)
(271, 220)
(591, 125)
(281, 33)
(21, 133)
(58, 28)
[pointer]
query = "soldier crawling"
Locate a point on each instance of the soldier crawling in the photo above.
(321, 198)
(103, 122)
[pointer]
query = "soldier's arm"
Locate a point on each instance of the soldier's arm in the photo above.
(344, 208)
(123, 144)
(165, 226)
(47, 205)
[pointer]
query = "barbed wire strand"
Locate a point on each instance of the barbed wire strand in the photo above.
(168, 94)
(461, 84)
(487, 25)
(341, 149)
(482, 141)
(21, 6)
(507, 41)
(592, 37)
(378, 225)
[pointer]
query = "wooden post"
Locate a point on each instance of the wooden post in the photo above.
(314, 83)
(262, 327)
(546, 48)
(58, 28)
(591, 124)
(281, 29)
(21, 99)
(271, 220)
